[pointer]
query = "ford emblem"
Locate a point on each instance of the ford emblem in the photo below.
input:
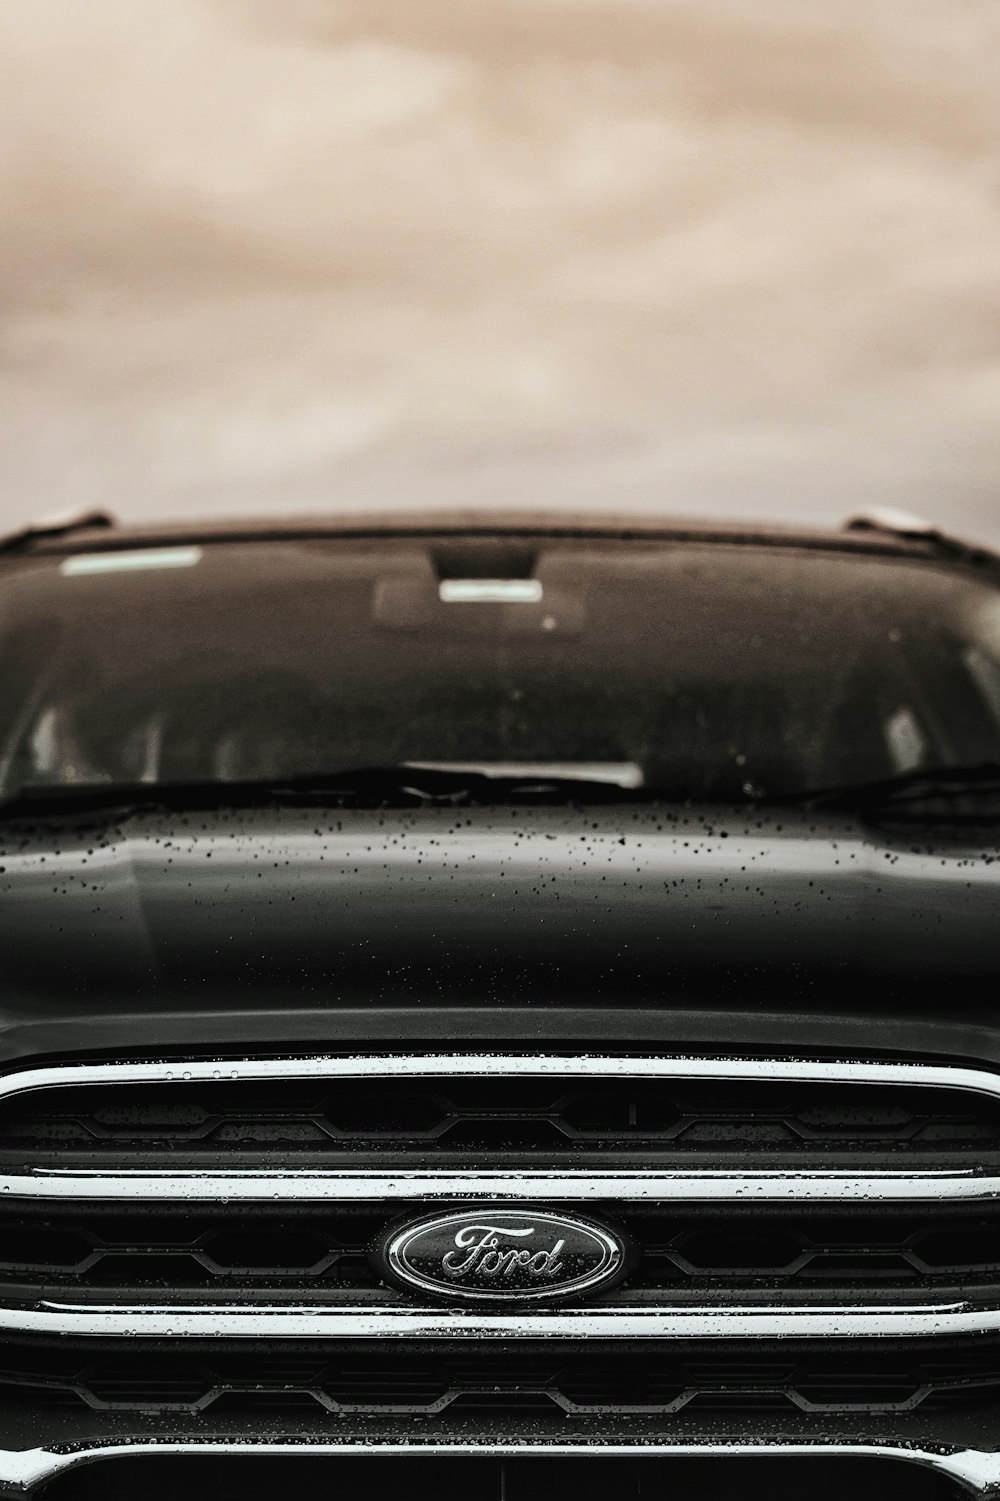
(488, 1254)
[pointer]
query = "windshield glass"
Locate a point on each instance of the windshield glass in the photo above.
(713, 671)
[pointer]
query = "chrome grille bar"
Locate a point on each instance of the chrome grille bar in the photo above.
(963, 1186)
(503, 1066)
(325, 1321)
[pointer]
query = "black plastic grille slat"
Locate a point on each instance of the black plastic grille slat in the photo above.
(709, 1250)
(180, 1250)
(523, 1117)
(576, 1382)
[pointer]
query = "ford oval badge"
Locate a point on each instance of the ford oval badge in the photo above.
(489, 1254)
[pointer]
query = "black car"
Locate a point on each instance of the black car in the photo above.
(500, 1006)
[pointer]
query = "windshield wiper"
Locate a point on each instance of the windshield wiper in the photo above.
(957, 790)
(917, 789)
(362, 787)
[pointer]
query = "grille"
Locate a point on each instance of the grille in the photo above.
(438, 1383)
(244, 1200)
(530, 1121)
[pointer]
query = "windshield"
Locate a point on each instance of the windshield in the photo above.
(712, 671)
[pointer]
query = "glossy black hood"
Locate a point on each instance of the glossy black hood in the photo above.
(489, 907)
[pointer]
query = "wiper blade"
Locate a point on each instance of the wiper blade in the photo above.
(409, 784)
(364, 786)
(367, 786)
(78, 797)
(923, 785)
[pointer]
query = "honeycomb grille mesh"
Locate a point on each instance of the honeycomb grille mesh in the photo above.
(581, 1381)
(523, 1118)
(712, 1252)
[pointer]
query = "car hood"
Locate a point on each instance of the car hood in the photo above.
(489, 906)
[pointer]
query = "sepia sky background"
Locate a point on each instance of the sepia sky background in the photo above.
(726, 257)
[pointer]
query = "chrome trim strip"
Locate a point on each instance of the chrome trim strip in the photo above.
(963, 1186)
(977, 1471)
(325, 1321)
(492, 1065)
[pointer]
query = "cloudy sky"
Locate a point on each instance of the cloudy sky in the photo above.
(714, 256)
